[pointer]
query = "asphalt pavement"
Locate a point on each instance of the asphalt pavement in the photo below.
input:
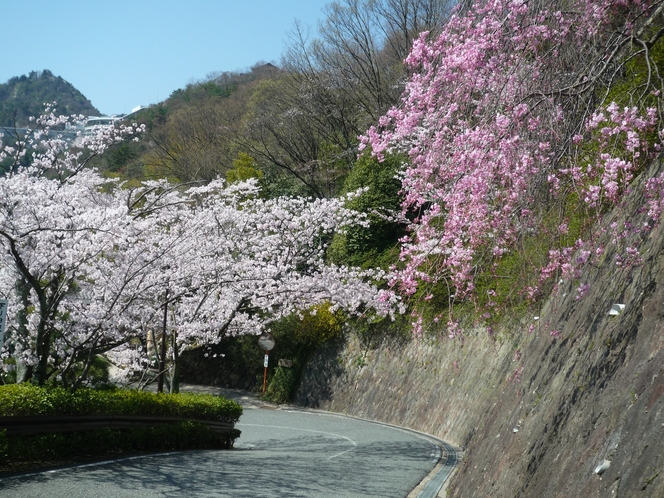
(283, 451)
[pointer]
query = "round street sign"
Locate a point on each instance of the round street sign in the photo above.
(266, 341)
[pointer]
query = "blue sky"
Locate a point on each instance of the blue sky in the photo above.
(124, 53)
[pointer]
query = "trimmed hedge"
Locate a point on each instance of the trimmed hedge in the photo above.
(46, 449)
(23, 452)
(26, 400)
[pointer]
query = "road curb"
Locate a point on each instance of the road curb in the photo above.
(448, 461)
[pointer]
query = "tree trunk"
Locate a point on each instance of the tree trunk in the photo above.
(162, 353)
(43, 350)
(23, 370)
(175, 371)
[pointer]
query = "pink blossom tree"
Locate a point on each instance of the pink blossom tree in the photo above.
(494, 118)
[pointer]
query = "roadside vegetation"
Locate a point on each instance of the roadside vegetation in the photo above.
(36, 449)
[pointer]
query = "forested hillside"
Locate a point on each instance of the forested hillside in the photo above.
(25, 96)
(296, 126)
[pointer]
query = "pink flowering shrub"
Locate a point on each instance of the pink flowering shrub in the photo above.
(500, 123)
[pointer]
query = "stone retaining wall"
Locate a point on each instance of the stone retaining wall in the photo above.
(535, 414)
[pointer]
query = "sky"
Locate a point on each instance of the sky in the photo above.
(125, 53)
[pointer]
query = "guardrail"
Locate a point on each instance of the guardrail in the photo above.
(39, 424)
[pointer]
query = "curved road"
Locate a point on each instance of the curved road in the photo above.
(281, 453)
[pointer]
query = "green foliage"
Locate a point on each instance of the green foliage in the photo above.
(40, 449)
(51, 448)
(96, 376)
(26, 399)
(377, 245)
(275, 185)
(202, 91)
(297, 338)
(9, 376)
(123, 161)
(120, 158)
(213, 88)
(154, 116)
(282, 385)
(640, 76)
(24, 96)
(219, 85)
(314, 327)
(244, 168)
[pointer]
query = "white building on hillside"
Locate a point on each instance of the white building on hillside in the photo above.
(94, 121)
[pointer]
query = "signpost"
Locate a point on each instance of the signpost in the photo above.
(3, 319)
(266, 343)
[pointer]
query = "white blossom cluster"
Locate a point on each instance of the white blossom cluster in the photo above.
(89, 264)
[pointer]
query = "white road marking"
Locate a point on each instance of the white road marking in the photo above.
(306, 430)
(85, 465)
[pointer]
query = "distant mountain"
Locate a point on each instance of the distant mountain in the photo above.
(24, 96)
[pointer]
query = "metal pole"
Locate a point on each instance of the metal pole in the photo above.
(267, 355)
(162, 354)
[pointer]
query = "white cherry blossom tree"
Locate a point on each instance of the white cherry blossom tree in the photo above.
(92, 267)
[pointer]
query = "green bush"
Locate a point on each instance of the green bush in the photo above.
(26, 399)
(48, 448)
(282, 385)
(17, 451)
(375, 246)
(298, 337)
